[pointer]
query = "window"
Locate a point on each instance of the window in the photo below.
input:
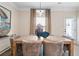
(40, 18)
(70, 28)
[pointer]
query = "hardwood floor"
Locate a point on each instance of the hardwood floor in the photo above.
(7, 53)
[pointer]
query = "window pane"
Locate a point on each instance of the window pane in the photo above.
(40, 18)
(71, 27)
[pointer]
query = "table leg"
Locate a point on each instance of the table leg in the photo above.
(14, 49)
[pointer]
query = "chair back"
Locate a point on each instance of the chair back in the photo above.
(31, 49)
(53, 49)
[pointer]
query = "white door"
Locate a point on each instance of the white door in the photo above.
(71, 28)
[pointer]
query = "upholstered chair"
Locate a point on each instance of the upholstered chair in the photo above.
(52, 48)
(31, 48)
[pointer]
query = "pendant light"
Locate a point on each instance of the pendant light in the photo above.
(40, 6)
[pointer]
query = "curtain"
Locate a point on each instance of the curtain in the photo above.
(48, 20)
(32, 21)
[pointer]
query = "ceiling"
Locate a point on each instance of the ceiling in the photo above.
(43, 5)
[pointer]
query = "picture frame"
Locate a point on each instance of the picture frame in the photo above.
(5, 21)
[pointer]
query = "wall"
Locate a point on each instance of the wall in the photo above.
(24, 17)
(58, 21)
(78, 26)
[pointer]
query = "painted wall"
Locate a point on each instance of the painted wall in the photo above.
(24, 22)
(58, 21)
(78, 26)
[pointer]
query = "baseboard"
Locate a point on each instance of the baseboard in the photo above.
(4, 50)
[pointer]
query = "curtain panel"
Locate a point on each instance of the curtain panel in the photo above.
(32, 21)
(48, 20)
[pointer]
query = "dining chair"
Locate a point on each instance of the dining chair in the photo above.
(53, 48)
(31, 49)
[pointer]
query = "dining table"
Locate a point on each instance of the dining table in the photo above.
(31, 38)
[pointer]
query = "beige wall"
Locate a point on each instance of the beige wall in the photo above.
(58, 21)
(78, 25)
(24, 22)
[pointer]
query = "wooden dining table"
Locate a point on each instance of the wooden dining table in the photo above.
(68, 42)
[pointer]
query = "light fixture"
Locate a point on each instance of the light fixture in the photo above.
(40, 6)
(59, 3)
